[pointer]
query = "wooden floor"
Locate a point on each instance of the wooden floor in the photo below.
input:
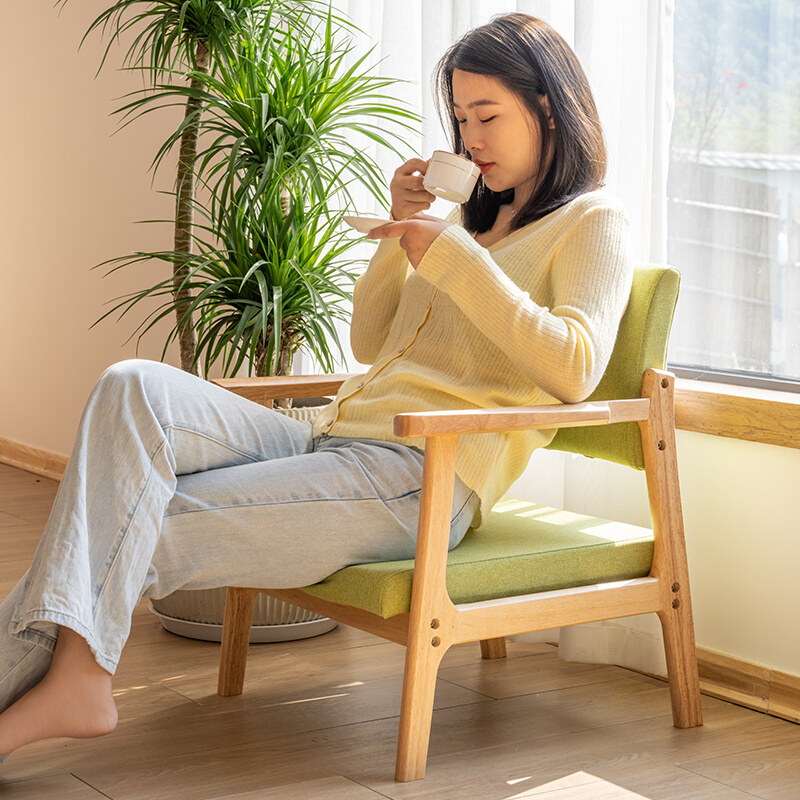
(318, 721)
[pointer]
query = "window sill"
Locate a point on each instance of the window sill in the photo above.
(738, 412)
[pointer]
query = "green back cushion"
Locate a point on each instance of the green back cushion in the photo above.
(641, 344)
(521, 548)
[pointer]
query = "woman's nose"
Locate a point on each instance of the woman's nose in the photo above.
(472, 142)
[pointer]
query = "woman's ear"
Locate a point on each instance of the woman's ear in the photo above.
(546, 106)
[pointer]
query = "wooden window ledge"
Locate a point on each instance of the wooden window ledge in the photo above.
(738, 412)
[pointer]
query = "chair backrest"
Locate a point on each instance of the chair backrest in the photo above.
(641, 344)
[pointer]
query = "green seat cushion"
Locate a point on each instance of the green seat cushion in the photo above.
(521, 548)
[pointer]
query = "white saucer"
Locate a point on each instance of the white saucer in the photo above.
(365, 224)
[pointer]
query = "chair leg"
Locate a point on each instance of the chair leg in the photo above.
(669, 556)
(419, 686)
(493, 648)
(684, 682)
(238, 619)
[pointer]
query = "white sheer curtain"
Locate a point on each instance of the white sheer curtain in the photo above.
(625, 47)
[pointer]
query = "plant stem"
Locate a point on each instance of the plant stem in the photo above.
(184, 216)
(284, 368)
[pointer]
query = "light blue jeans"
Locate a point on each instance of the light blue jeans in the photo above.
(175, 483)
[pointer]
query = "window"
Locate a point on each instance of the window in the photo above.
(734, 186)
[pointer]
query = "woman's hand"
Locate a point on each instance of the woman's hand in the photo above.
(408, 194)
(416, 234)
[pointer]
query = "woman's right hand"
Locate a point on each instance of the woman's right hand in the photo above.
(408, 194)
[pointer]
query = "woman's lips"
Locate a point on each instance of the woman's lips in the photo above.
(484, 166)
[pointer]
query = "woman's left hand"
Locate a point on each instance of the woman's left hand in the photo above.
(416, 234)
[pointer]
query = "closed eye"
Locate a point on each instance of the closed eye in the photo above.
(464, 122)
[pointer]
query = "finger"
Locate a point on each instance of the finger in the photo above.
(411, 166)
(392, 230)
(419, 205)
(403, 208)
(410, 182)
(414, 197)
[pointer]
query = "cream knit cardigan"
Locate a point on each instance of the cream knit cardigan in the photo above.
(530, 320)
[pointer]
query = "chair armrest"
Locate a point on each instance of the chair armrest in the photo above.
(486, 420)
(429, 597)
(272, 387)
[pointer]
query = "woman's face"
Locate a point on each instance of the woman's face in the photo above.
(500, 134)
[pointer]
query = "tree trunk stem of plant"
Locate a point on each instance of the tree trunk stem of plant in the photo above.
(263, 369)
(184, 217)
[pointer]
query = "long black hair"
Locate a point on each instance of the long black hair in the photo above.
(531, 60)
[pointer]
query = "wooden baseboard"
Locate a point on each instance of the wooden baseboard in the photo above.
(734, 680)
(784, 696)
(32, 459)
(750, 685)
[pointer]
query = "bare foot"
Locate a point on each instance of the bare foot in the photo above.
(73, 699)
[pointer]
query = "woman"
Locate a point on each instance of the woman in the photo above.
(175, 483)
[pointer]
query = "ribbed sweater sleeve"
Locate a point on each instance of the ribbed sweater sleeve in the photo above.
(563, 349)
(376, 297)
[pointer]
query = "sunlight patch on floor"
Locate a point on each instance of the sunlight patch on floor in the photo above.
(577, 786)
(308, 700)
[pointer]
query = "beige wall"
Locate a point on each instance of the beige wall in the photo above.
(71, 194)
(742, 510)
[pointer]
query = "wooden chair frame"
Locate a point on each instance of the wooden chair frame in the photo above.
(434, 623)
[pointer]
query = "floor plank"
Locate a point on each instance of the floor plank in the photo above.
(768, 772)
(62, 787)
(325, 789)
(500, 678)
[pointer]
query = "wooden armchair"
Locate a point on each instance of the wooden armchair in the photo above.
(527, 568)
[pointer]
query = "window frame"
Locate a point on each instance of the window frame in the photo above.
(747, 380)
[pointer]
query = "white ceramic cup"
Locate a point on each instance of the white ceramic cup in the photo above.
(450, 177)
